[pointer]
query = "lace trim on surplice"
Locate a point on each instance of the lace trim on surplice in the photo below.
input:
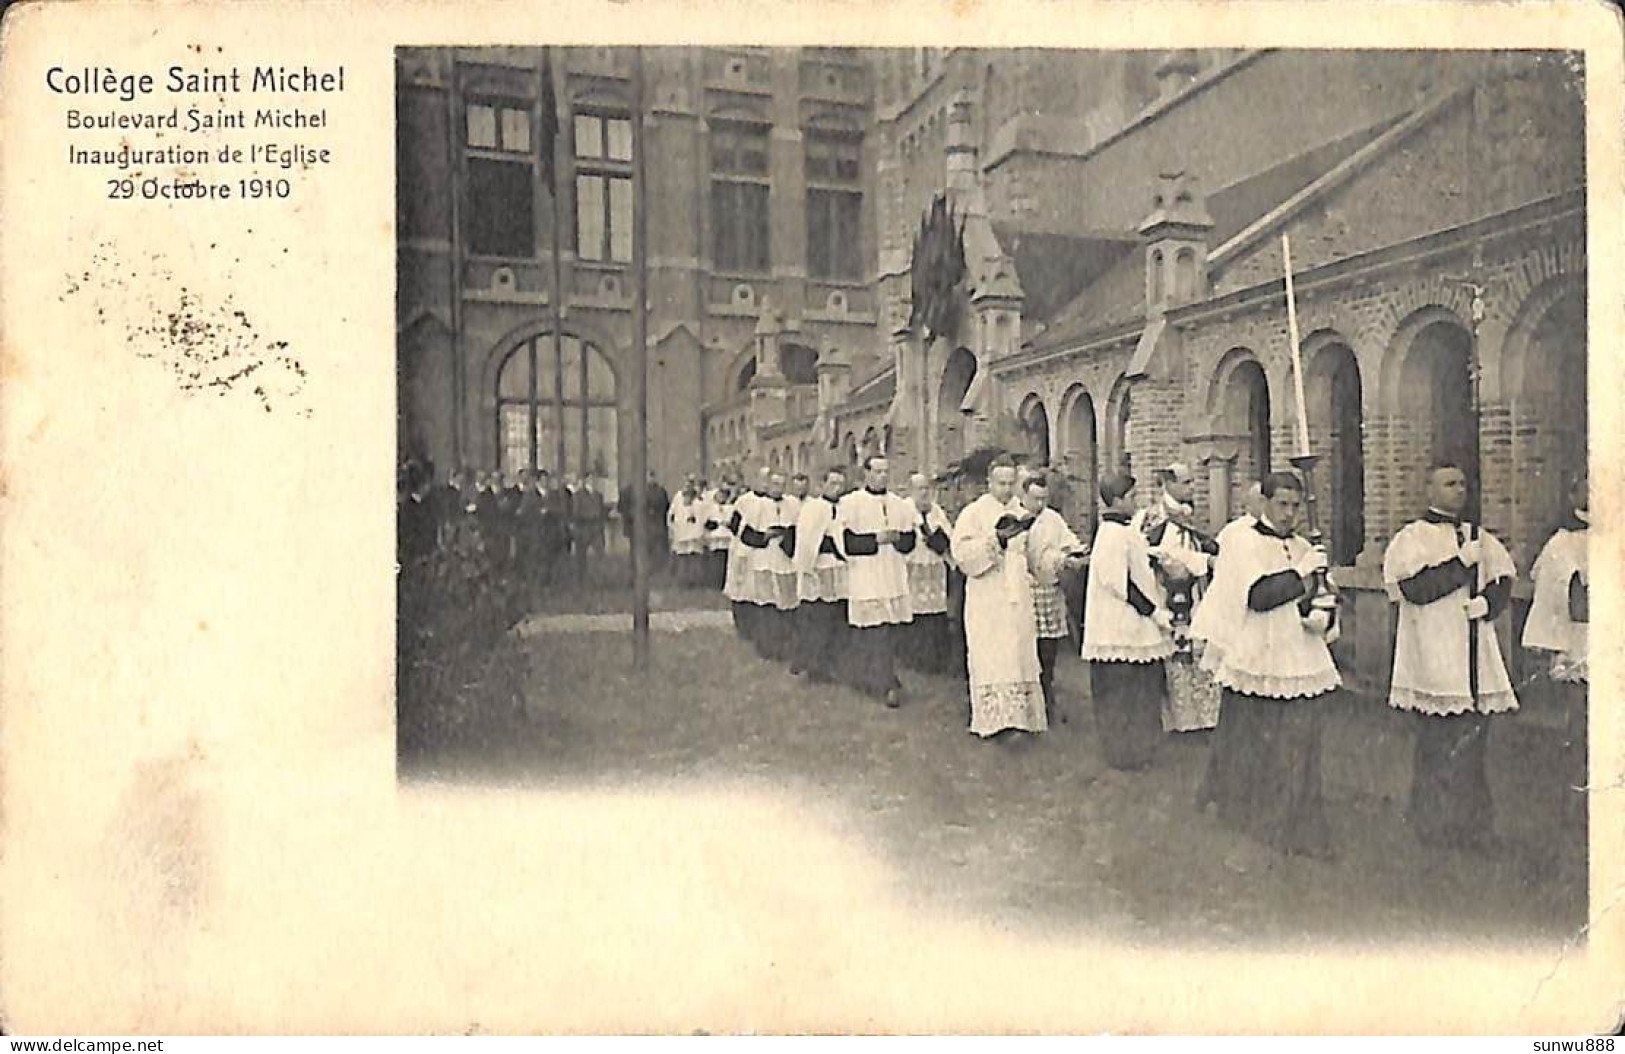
(1450, 705)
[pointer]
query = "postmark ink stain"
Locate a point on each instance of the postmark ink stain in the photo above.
(207, 346)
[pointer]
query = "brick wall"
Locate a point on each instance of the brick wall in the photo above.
(1155, 435)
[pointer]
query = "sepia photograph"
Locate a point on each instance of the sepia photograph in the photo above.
(768, 518)
(1136, 493)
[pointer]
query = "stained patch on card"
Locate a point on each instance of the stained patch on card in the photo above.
(209, 345)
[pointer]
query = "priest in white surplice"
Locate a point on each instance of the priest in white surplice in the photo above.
(1557, 629)
(1126, 633)
(1052, 550)
(739, 582)
(1213, 620)
(769, 532)
(1451, 581)
(927, 649)
(821, 583)
(1277, 672)
(685, 526)
(990, 546)
(719, 508)
(877, 534)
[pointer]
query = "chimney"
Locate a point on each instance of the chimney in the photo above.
(1176, 244)
(961, 158)
(1176, 70)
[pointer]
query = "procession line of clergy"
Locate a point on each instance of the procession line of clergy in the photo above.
(1012, 549)
(1246, 620)
(1265, 625)
(829, 584)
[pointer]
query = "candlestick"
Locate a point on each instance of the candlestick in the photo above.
(1297, 355)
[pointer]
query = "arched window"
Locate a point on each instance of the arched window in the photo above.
(1035, 430)
(957, 375)
(747, 373)
(1154, 278)
(1185, 275)
(1122, 432)
(556, 409)
(1258, 416)
(1079, 437)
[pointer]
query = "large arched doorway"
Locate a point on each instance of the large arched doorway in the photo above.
(1244, 412)
(1436, 396)
(1546, 387)
(556, 409)
(1336, 423)
(1033, 421)
(957, 375)
(1078, 440)
(1120, 437)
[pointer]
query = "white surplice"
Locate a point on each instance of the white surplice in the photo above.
(821, 575)
(927, 570)
(1550, 626)
(717, 512)
(1275, 654)
(1214, 617)
(1431, 649)
(877, 584)
(1113, 631)
(999, 630)
(685, 524)
(1050, 541)
(773, 570)
(739, 583)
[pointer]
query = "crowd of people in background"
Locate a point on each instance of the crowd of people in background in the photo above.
(536, 531)
(841, 579)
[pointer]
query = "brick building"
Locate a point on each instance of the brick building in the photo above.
(1124, 301)
(760, 232)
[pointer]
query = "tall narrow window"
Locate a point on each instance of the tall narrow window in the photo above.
(834, 206)
(603, 155)
(739, 198)
(500, 216)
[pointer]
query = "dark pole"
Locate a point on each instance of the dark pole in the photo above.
(1475, 484)
(639, 373)
(454, 122)
(550, 97)
(1476, 493)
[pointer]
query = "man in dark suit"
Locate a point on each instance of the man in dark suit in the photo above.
(590, 516)
(658, 501)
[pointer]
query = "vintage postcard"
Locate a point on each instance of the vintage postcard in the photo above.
(752, 517)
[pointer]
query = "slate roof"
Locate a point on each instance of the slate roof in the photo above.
(1117, 296)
